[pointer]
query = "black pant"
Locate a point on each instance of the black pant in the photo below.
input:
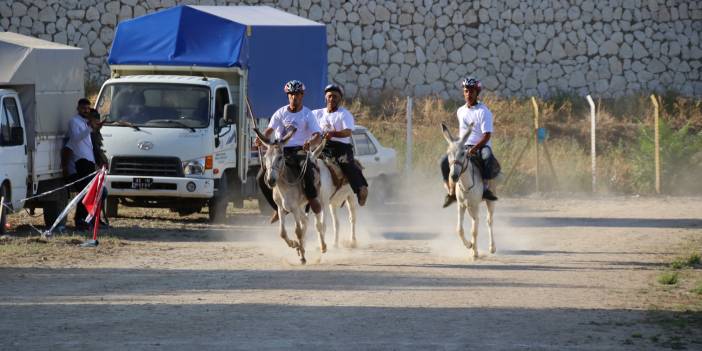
(83, 168)
(294, 160)
(489, 168)
(342, 154)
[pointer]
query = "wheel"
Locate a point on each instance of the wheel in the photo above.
(53, 209)
(219, 202)
(6, 203)
(111, 206)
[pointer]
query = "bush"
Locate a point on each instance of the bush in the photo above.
(668, 278)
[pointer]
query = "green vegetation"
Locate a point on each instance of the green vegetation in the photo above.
(668, 278)
(686, 262)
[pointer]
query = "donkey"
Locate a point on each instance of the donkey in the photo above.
(466, 178)
(290, 198)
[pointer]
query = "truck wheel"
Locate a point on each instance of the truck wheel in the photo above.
(3, 218)
(111, 206)
(218, 204)
(53, 208)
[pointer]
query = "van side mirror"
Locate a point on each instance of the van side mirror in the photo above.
(231, 114)
(16, 136)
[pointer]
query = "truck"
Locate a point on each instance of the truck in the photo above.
(186, 87)
(40, 85)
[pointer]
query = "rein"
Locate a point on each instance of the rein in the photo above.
(281, 172)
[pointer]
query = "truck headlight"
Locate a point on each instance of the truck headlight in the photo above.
(194, 167)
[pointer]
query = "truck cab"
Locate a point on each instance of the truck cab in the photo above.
(170, 138)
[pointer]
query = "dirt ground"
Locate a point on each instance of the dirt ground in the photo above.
(569, 274)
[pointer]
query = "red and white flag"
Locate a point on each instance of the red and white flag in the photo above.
(91, 201)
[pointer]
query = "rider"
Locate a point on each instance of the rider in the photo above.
(294, 115)
(337, 123)
(479, 141)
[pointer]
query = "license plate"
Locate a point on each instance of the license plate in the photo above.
(142, 183)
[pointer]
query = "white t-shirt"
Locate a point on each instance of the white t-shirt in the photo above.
(283, 120)
(335, 122)
(79, 141)
(480, 116)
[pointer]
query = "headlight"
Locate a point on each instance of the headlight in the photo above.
(194, 167)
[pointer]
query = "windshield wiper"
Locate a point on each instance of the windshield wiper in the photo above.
(123, 123)
(178, 123)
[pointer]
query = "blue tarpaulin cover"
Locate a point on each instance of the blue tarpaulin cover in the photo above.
(272, 45)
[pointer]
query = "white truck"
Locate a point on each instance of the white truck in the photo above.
(40, 85)
(177, 130)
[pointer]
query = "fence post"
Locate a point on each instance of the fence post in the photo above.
(408, 151)
(536, 141)
(593, 151)
(657, 151)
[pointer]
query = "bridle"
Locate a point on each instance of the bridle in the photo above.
(464, 163)
(281, 170)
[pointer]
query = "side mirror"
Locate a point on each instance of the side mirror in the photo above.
(16, 136)
(231, 114)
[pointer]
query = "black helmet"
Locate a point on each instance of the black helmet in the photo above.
(294, 86)
(472, 82)
(334, 87)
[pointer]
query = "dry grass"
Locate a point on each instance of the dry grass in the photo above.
(566, 118)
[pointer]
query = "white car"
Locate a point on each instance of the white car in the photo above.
(379, 164)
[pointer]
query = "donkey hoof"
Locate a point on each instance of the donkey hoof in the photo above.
(324, 248)
(492, 249)
(352, 244)
(303, 260)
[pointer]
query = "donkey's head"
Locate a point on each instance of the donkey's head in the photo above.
(456, 151)
(273, 159)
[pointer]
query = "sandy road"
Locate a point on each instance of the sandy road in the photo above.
(568, 275)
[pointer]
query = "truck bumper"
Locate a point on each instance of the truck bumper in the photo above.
(121, 185)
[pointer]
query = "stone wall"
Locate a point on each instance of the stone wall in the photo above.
(420, 47)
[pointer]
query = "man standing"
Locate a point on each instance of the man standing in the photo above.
(294, 115)
(479, 143)
(337, 123)
(81, 161)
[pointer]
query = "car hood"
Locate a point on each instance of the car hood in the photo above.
(182, 143)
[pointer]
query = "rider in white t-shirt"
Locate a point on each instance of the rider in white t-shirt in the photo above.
(283, 120)
(478, 142)
(337, 124)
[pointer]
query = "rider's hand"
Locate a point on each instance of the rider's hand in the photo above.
(257, 143)
(472, 150)
(327, 135)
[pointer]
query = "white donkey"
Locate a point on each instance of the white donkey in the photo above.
(468, 182)
(290, 198)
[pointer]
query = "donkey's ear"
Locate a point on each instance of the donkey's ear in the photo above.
(465, 136)
(287, 136)
(447, 134)
(262, 137)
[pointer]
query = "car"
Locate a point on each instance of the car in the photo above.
(379, 164)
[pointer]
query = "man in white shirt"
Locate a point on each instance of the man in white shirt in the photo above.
(479, 143)
(81, 160)
(337, 124)
(294, 115)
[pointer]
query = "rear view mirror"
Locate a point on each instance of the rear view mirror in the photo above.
(231, 113)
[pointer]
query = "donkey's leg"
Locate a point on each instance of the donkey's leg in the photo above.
(490, 210)
(300, 228)
(459, 226)
(335, 224)
(321, 228)
(283, 233)
(351, 206)
(474, 211)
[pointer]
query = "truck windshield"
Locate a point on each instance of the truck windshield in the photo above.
(155, 105)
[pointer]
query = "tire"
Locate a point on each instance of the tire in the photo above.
(112, 206)
(3, 218)
(53, 209)
(219, 202)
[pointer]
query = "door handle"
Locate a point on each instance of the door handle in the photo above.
(376, 158)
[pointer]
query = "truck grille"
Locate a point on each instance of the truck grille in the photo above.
(146, 166)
